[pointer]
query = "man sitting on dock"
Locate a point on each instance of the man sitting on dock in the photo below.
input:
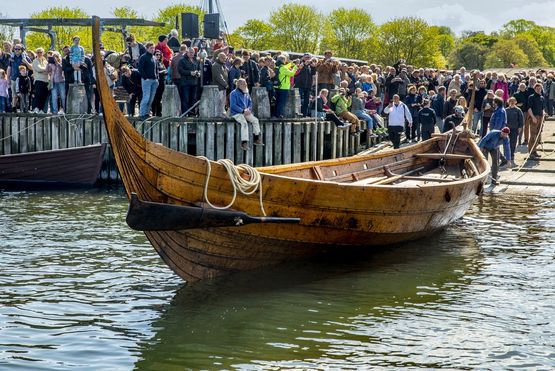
(241, 110)
(490, 145)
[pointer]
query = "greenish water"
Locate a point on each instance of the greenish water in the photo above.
(79, 290)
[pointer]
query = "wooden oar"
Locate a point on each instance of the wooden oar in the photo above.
(154, 216)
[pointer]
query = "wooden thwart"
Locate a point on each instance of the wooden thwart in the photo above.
(438, 156)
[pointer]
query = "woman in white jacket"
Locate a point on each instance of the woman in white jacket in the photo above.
(40, 76)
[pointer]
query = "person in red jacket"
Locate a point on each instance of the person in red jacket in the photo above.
(167, 53)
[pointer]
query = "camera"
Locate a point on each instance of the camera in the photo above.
(51, 60)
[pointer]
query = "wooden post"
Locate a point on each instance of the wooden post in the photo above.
(47, 132)
(220, 140)
(174, 135)
(278, 143)
(269, 143)
(39, 135)
(210, 137)
(15, 135)
(164, 132)
(183, 137)
(297, 136)
(334, 141)
(286, 142)
(88, 132)
(230, 142)
(314, 141)
(56, 133)
(200, 138)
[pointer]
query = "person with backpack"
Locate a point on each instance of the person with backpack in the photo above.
(283, 83)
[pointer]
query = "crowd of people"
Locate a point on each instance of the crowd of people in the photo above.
(390, 99)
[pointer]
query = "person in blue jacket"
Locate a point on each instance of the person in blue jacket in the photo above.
(498, 121)
(490, 145)
(240, 105)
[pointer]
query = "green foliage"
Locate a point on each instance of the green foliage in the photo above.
(411, 39)
(114, 40)
(468, 54)
(64, 34)
(506, 53)
(445, 38)
(517, 26)
(531, 48)
(481, 38)
(254, 35)
(296, 28)
(350, 33)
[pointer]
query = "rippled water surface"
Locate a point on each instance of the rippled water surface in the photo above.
(79, 290)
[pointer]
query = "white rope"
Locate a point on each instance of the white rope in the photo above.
(246, 187)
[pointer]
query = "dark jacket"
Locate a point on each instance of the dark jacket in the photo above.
(68, 70)
(536, 103)
(251, 71)
(148, 67)
(219, 75)
(303, 80)
(142, 50)
(207, 72)
(24, 84)
(515, 118)
(479, 98)
(132, 84)
(522, 100)
(173, 44)
(427, 117)
(87, 72)
(449, 107)
(437, 104)
(233, 74)
(452, 121)
(186, 67)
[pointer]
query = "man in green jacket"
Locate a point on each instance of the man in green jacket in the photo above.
(283, 77)
(342, 103)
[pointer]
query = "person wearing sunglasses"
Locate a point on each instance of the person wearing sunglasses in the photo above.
(16, 60)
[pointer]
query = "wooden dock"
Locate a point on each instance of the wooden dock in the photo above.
(286, 141)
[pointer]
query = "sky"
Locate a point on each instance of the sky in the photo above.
(476, 15)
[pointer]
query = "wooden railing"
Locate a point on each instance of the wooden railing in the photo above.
(286, 141)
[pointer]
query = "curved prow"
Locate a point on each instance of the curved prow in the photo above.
(121, 134)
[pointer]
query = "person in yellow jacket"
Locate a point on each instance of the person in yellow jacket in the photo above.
(342, 103)
(283, 77)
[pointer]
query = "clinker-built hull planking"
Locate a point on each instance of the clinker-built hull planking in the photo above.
(333, 214)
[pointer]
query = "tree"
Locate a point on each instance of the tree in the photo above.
(408, 38)
(470, 55)
(296, 28)
(350, 33)
(506, 53)
(65, 34)
(446, 39)
(530, 47)
(481, 38)
(254, 34)
(114, 40)
(517, 26)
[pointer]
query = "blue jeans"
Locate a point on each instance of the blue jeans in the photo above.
(475, 119)
(58, 90)
(281, 101)
(149, 89)
(366, 117)
(3, 104)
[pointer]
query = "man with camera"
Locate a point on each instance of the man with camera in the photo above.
(303, 81)
(189, 70)
(148, 68)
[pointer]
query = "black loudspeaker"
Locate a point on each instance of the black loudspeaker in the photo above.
(189, 25)
(212, 26)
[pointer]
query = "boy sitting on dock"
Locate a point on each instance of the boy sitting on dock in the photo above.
(240, 105)
(77, 58)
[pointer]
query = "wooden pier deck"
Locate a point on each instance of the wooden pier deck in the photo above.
(286, 141)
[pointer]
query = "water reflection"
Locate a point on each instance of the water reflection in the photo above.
(310, 314)
(79, 290)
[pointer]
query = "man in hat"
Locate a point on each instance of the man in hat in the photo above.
(490, 145)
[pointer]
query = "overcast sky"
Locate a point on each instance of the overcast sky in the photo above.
(486, 15)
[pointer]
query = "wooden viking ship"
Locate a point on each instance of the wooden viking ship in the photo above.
(312, 207)
(59, 168)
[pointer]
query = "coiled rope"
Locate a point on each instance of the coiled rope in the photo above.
(246, 187)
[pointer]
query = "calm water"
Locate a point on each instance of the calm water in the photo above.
(79, 290)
